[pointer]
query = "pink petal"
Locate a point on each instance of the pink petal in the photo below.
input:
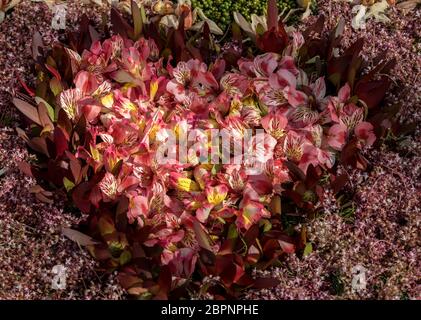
(319, 88)
(90, 111)
(128, 182)
(336, 136)
(288, 63)
(218, 68)
(344, 93)
(86, 82)
(364, 132)
(265, 64)
(202, 214)
(138, 207)
(282, 79)
(310, 156)
(246, 66)
(295, 98)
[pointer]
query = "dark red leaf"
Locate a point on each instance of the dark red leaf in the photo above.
(119, 24)
(100, 252)
(53, 71)
(312, 177)
(272, 14)
(295, 170)
(128, 280)
(227, 247)
(60, 141)
(372, 92)
(339, 183)
(64, 122)
(39, 145)
(253, 255)
(30, 91)
(80, 196)
(272, 41)
(251, 235)
(76, 169)
(28, 110)
(201, 236)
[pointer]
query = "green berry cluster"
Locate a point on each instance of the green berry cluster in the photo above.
(221, 11)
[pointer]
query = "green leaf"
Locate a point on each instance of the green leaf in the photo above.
(106, 225)
(275, 206)
(2, 15)
(260, 29)
(125, 257)
(221, 220)
(335, 79)
(266, 225)
(55, 86)
(69, 185)
(312, 60)
(213, 27)
(143, 13)
(308, 249)
(232, 232)
(50, 109)
(137, 20)
(115, 248)
(215, 169)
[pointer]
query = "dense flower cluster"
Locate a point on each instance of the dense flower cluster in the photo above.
(380, 236)
(204, 204)
(127, 96)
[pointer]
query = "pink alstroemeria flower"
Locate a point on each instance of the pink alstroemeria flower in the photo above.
(336, 137)
(191, 76)
(111, 187)
(336, 104)
(138, 209)
(134, 61)
(364, 131)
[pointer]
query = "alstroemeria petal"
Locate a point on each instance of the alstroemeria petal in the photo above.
(202, 214)
(365, 133)
(336, 136)
(108, 185)
(217, 194)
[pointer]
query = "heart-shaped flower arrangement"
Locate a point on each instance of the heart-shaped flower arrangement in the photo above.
(182, 165)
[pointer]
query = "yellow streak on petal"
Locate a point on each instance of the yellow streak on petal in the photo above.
(108, 101)
(216, 198)
(95, 153)
(186, 184)
(153, 90)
